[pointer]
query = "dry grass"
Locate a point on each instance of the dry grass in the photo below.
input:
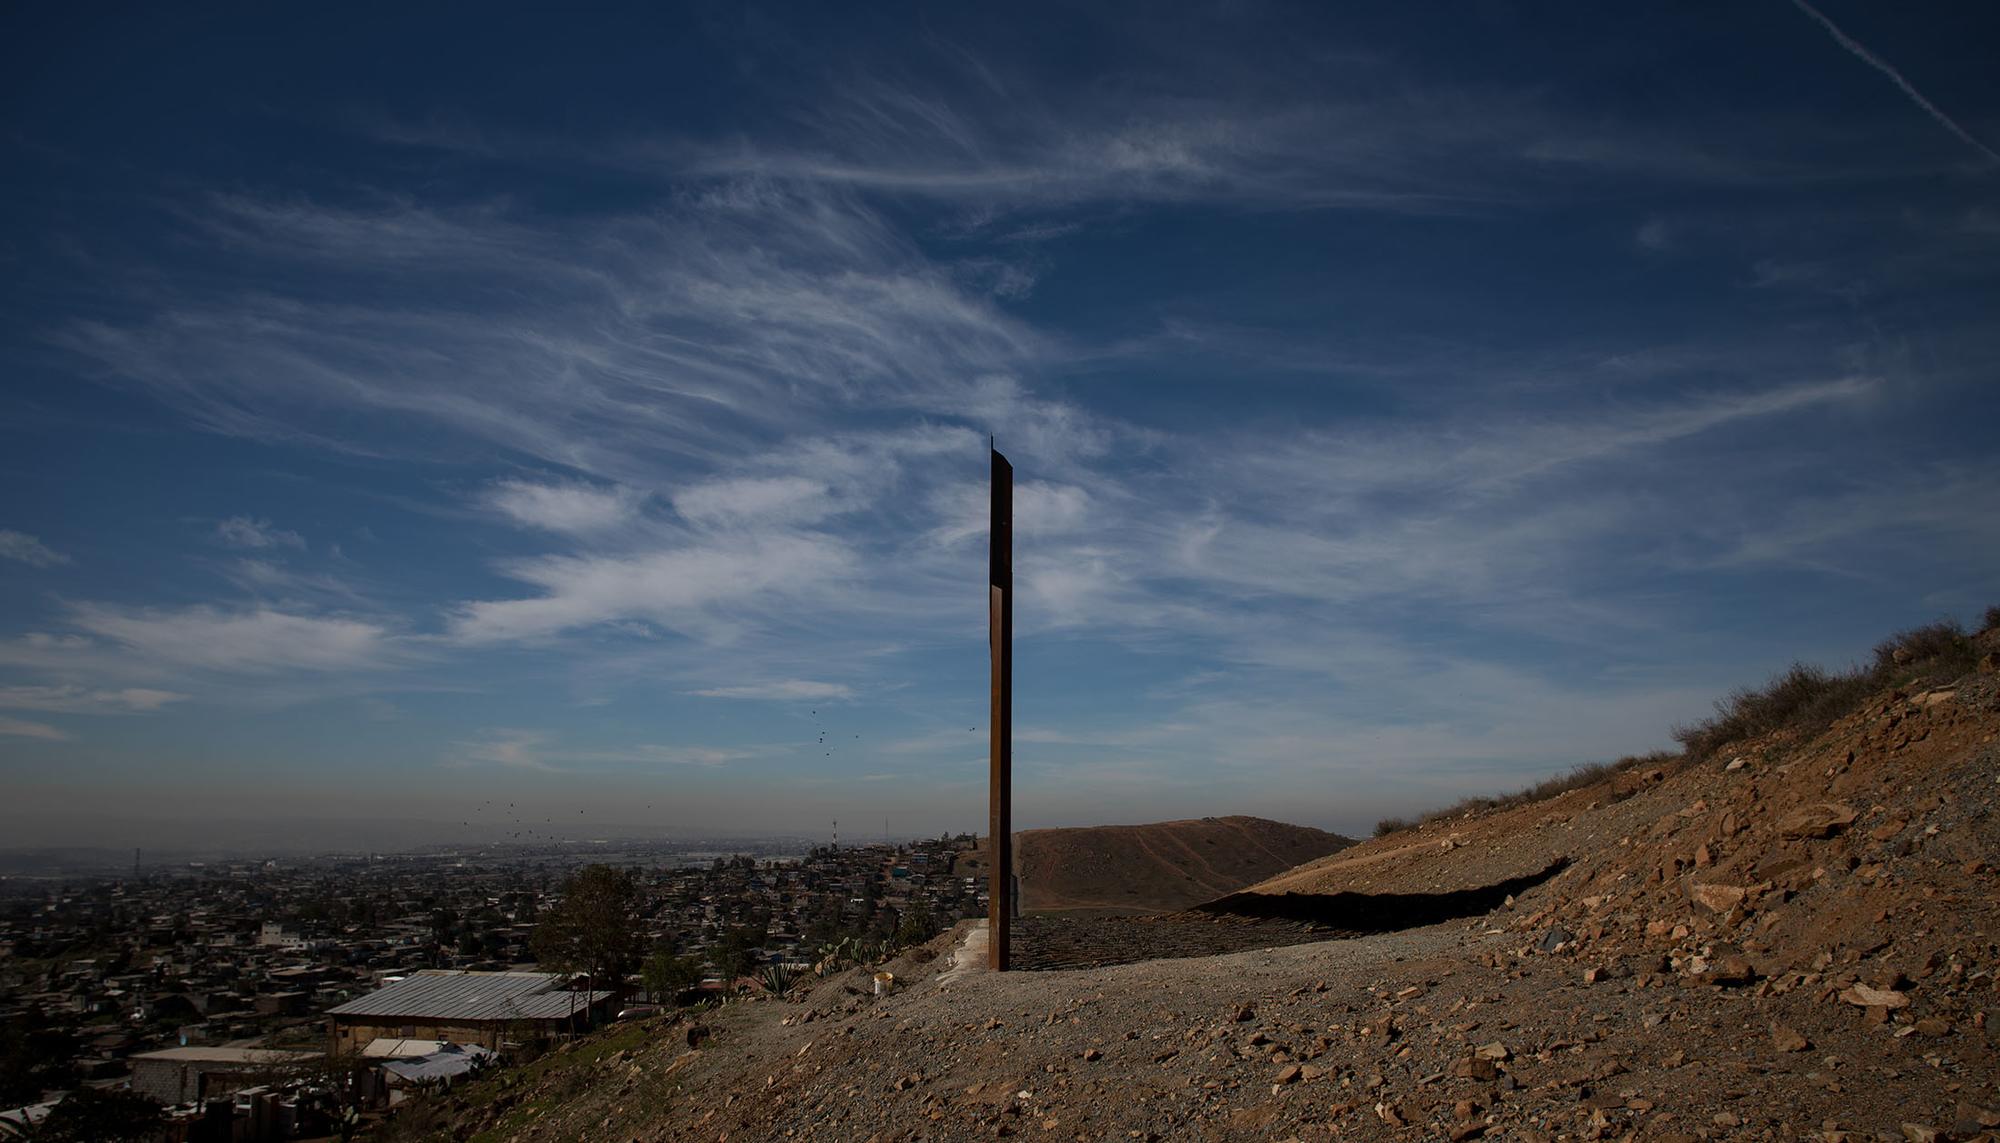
(1801, 697)
(1944, 645)
(1804, 698)
(1807, 699)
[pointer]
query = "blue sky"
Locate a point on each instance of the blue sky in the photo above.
(408, 410)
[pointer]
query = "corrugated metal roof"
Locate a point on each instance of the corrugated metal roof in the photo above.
(454, 1060)
(441, 994)
(390, 1047)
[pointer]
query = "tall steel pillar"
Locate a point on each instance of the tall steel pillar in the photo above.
(1000, 643)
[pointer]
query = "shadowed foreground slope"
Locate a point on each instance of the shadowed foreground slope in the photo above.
(1158, 867)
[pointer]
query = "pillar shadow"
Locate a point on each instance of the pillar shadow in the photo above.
(1378, 912)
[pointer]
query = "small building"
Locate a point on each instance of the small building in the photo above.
(484, 1008)
(192, 1075)
(439, 1068)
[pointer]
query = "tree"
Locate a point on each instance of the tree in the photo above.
(593, 929)
(102, 1115)
(917, 926)
(735, 955)
(666, 976)
(33, 1057)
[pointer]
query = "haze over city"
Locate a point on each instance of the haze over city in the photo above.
(435, 429)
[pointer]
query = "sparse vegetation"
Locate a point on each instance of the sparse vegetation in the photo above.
(917, 925)
(1587, 774)
(1808, 699)
(1804, 698)
(777, 979)
(537, 1087)
(1943, 646)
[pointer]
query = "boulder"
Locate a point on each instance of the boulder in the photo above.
(1717, 898)
(1823, 819)
(1862, 996)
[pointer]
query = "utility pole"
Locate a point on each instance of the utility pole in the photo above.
(1000, 644)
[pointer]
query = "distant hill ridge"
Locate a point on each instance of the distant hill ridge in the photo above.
(1161, 866)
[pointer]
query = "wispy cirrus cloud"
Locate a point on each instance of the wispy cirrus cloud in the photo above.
(277, 581)
(27, 549)
(1019, 158)
(72, 699)
(781, 690)
(507, 749)
(255, 534)
(253, 639)
(21, 728)
(713, 388)
(543, 751)
(754, 499)
(564, 505)
(686, 336)
(691, 589)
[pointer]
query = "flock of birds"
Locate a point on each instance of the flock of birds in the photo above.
(822, 736)
(514, 818)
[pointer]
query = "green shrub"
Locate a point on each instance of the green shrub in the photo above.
(776, 979)
(1387, 826)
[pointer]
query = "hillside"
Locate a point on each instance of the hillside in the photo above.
(1793, 935)
(1157, 867)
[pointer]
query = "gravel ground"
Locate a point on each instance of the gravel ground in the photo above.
(1045, 943)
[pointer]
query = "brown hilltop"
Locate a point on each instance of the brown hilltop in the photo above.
(1784, 935)
(1154, 868)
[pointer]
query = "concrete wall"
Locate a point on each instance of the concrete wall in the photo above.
(347, 1035)
(188, 1081)
(349, 1038)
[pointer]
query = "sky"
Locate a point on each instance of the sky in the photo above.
(500, 420)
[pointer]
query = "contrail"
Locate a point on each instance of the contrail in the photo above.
(1881, 65)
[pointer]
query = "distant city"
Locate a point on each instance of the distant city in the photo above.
(198, 981)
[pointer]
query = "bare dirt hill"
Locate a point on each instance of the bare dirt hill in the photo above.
(1158, 867)
(1796, 936)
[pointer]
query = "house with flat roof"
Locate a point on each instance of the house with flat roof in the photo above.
(484, 1008)
(192, 1075)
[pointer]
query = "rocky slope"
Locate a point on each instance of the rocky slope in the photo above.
(1794, 938)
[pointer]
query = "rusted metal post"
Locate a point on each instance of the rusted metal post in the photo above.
(1000, 642)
